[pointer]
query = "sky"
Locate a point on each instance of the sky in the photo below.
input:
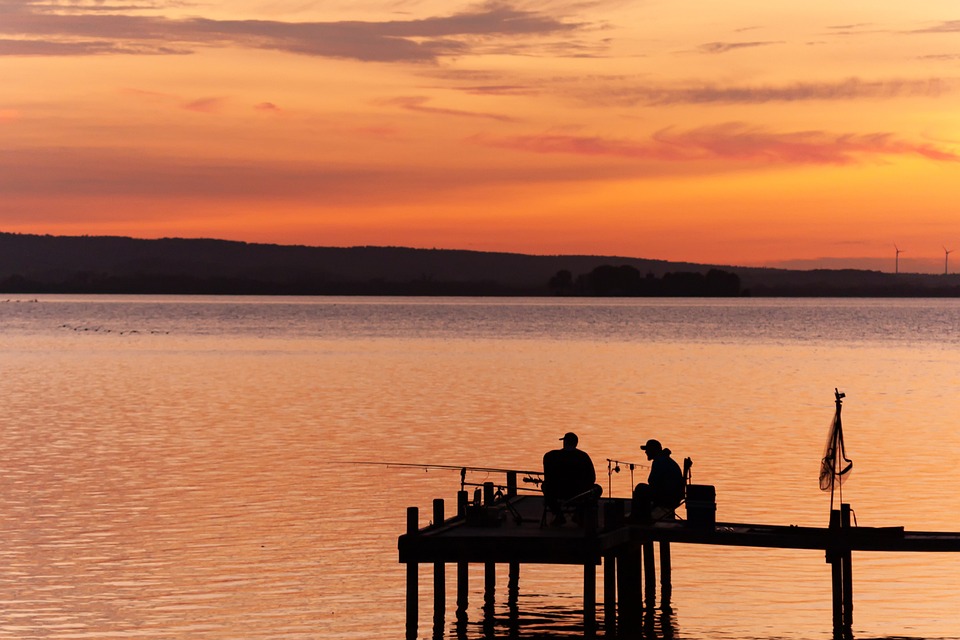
(747, 132)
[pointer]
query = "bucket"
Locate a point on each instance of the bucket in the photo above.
(701, 506)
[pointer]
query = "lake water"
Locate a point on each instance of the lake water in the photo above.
(173, 467)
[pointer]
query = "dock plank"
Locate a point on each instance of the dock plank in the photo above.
(500, 538)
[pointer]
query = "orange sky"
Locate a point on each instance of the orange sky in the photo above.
(741, 132)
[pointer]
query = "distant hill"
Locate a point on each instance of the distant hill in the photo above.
(108, 264)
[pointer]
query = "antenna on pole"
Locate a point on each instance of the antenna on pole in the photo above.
(946, 258)
(897, 264)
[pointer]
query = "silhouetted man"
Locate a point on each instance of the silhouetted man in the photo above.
(567, 473)
(664, 489)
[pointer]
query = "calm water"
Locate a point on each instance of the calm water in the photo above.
(172, 468)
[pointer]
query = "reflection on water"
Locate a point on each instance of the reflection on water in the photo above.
(171, 465)
(540, 621)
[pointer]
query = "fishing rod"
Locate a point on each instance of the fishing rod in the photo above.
(529, 477)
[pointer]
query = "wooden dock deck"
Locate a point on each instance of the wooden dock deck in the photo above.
(508, 530)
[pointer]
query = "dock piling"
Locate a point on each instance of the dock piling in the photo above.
(463, 568)
(612, 517)
(610, 595)
(589, 598)
(666, 574)
(413, 614)
(841, 569)
(649, 575)
(439, 576)
(847, 563)
(630, 599)
(490, 568)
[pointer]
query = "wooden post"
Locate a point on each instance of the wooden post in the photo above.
(490, 568)
(666, 575)
(612, 516)
(609, 595)
(413, 526)
(511, 484)
(630, 599)
(847, 564)
(439, 577)
(589, 598)
(463, 568)
(649, 575)
(836, 574)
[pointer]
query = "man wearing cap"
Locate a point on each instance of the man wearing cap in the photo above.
(664, 489)
(567, 472)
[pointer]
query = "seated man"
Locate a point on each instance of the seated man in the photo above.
(664, 489)
(567, 473)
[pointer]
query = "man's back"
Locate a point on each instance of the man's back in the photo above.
(569, 471)
(666, 481)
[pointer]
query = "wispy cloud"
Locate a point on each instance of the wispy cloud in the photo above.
(17, 47)
(947, 26)
(34, 30)
(733, 142)
(847, 89)
(421, 104)
(941, 57)
(499, 90)
(205, 105)
(725, 47)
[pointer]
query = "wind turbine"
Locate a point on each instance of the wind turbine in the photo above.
(899, 251)
(946, 258)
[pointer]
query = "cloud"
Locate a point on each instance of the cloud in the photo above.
(725, 47)
(948, 26)
(205, 105)
(499, 90)
(17, 47)
(941, 57)
(737, 141)
(419, 104)
(82, 6)
(267, 107)
(417, 40)
(730, 142)
(848, 89)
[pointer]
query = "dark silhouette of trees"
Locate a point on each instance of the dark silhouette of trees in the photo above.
(562, 282)
(607, 280)
(625, 280)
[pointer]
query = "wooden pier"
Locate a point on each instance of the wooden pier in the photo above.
(506, 528)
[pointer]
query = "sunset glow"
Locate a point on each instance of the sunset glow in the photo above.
(742, 133)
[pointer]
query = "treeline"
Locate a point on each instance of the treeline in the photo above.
(625, 280)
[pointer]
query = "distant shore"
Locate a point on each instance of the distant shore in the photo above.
(35, 264)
